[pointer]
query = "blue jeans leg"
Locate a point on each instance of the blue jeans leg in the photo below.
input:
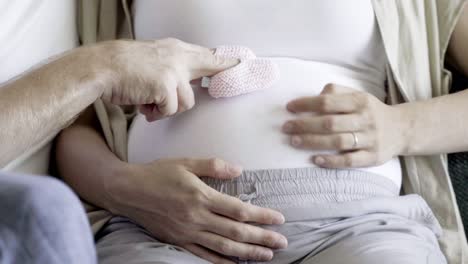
(42, 221)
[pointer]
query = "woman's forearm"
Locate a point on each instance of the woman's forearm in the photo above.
(166, 197)
(435, 126)
(440, 125)
(38, 105)
(86, 163)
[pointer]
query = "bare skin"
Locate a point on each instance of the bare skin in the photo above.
(155, 75)
(379, 127)
(383, 131)
(167, 197)
(44, 101)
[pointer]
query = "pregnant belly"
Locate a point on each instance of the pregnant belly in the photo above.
(246, 130)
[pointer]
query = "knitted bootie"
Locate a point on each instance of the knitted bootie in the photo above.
(251, 74)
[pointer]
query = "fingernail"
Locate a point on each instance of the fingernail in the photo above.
(279, 220)
(319, 160)
(235, 169)
(267, 255)
(288, 127)
(290, 108)
(281, 243)
(296, 141)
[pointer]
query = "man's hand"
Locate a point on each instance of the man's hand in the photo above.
(156, 74)
(170, 201)
(364, 130)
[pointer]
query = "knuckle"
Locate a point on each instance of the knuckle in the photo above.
(357, 124)
(339, 142)
(298, 125)
(241, 215)
(308, 141)
(370, 120)
(212, 195)
(329, 124)
(224, 246)
(199, 198)
(190, 216)
(237, 234)
(361, 99)
(194, 197)
(325, 103)
(365, 120)
(264, 216)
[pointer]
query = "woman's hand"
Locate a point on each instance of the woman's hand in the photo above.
(364, 131)
(170, 201)
(155, 74)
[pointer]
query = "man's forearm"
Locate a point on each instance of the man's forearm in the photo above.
(436, 126)
(41, 103)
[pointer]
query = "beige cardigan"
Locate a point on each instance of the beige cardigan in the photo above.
(415, 34)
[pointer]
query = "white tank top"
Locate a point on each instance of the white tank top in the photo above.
(312, 42)
(31, 31)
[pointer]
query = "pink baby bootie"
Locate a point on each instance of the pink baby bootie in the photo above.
(250, 75)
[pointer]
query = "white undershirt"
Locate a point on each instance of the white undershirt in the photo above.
(32, 31)
(312, 42)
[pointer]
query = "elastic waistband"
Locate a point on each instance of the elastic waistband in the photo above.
(291, 187)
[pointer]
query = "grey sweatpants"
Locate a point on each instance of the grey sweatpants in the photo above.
(332, 216)
(43, 222)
